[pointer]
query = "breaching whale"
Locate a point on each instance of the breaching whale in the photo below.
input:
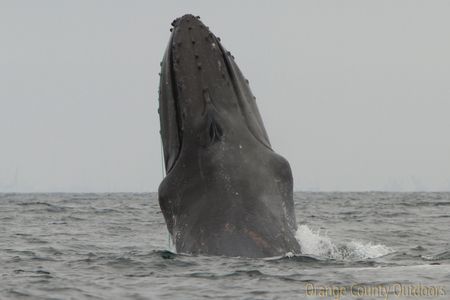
(226, 192)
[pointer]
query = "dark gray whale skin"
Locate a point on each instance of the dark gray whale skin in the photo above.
(226, 191)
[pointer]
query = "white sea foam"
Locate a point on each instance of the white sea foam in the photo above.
(319, 244)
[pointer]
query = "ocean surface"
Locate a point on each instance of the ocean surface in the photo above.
(372, 245)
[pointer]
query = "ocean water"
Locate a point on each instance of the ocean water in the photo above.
(115, 246)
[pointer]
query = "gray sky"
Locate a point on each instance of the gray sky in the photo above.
(355, 94)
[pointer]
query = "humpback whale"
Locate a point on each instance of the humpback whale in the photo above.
(226, 192)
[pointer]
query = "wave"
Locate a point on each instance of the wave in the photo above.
(320, 245)
(445, 255)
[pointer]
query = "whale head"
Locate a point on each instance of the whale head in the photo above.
(203, 94)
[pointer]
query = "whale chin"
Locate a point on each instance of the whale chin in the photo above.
(226, 191)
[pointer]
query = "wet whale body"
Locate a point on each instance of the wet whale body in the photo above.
(226, 192)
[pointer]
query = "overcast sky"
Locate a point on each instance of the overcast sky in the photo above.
(355, 94)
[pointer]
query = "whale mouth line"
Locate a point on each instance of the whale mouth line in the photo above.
(176, 96)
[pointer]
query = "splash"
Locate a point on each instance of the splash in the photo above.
(319, 244)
